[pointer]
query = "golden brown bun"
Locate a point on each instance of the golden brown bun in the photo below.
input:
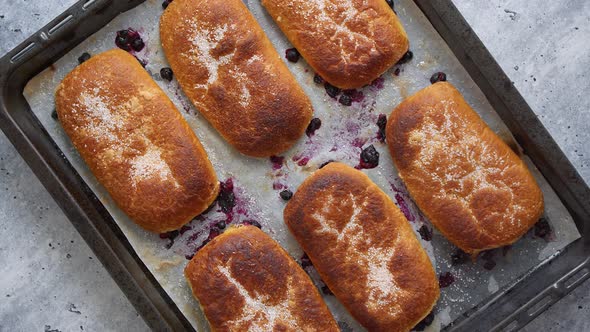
(465, 179)
(363, 248)
(230, 71)
(245, 281)
(347, 42)
(135, 142)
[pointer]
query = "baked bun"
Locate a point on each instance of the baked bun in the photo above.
(233, 75)
(363, 248)
(135, 142)
(245, 281)
(466, 180)
(348, 43)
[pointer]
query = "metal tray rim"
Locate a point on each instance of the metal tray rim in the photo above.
(509, 309)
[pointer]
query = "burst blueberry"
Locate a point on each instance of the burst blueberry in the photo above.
(369, 157)
(438, 77)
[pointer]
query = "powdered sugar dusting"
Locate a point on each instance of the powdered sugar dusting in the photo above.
(334, 18)
(459, 143)
(104, 120)
(381, 286)
(150, 165)
(257, 312)
(205, 41)
(106, 124)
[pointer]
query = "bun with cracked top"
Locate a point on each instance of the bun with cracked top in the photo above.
(465, 179)
(363, 248)
(245, 281)
(349, 43)
(136, 142)
(233, 75)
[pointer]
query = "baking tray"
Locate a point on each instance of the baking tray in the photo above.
(506, 310)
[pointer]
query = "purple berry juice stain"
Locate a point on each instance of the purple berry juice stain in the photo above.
(277, 162)
(403, 206)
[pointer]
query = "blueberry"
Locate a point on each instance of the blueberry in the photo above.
(446, 279)
(54, 114)
(221, 224)
(331, 90)
(137, 44)
(305, 261)
(381, 124)
(226, 198)
(406, 58)
(489, 265)
(459, 257)
(542, 229)
(286, 194)
(85, 56)
(122, 40)
(292, 55)
(166, 74)
(318, 79)
(345, 100)
(425, 233)
(369, 157)
(427, 321)
(438, 77)
(314, 125)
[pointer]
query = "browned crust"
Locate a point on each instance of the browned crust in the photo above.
(264, 271)
(381, 234)
(277, 111)
(469, 183)
(370, 41)
(145, 122)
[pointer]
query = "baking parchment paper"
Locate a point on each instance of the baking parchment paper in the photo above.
(344, 132)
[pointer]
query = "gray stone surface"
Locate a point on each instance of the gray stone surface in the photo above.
(48, 274)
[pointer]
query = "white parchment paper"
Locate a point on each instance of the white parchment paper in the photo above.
(345, 131)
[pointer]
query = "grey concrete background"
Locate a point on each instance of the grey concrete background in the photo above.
(50, 280)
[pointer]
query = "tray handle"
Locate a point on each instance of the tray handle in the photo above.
(59, 32)
(538, 304)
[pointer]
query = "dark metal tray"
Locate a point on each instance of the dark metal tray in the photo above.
(506, 310)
